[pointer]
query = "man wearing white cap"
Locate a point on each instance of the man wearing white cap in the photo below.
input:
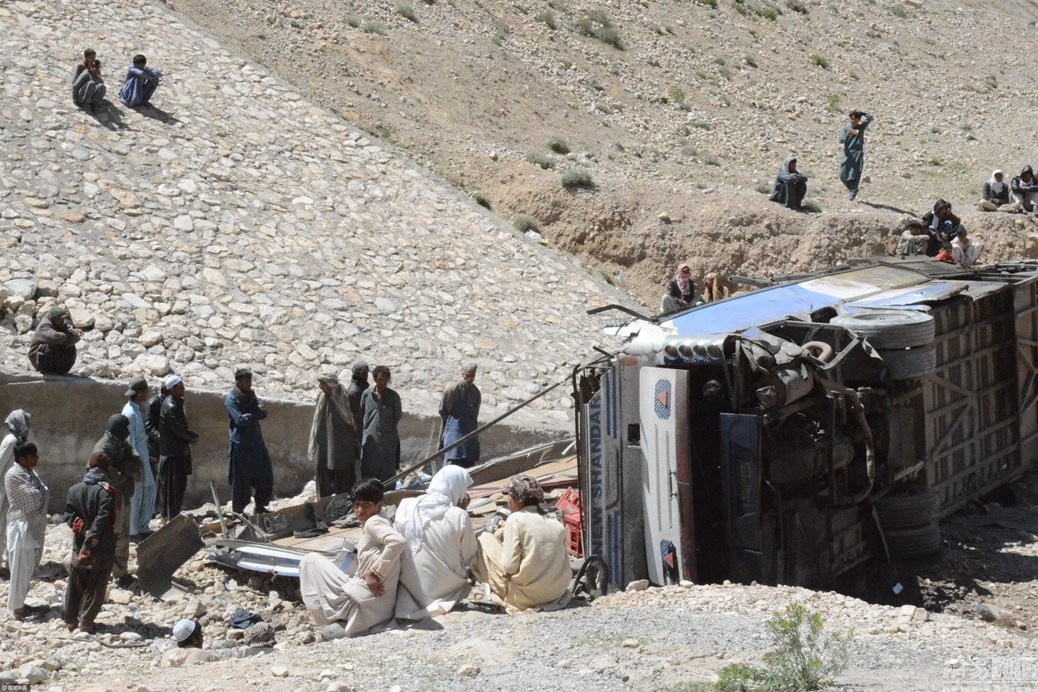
(189, 651)
(175, 439)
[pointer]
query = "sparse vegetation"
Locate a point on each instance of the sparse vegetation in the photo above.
(524, 223)
(712, 4)
(803, 659)
(833, 102)
(769, 13)
(558, 145)
(577, 178)
(597, 24)
(750, 61)
(482, 200)
(548, 19)
(374, 27)
(539, 159)
(725, 72)
(501, 32)
(701, 125)
(712, 160)
(900, 11)
(820, 60)
(797, 6)
(353, 20)
(407, 12)
(677, 96)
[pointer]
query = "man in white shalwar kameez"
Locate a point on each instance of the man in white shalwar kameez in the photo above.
(344, 605)
(26, 525)
(17, 423)
(440, 546)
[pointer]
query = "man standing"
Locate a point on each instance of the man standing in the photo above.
(90, 513)
(26, 526)
(248, 464)
(142, 505)
(175, 440)
(382, 412)
(459, 412)
(17, 423)
(53, 347)
(122, 475)
(333, 439)
(852, 137)
(355, 392)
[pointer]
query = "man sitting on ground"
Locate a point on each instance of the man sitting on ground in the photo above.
(913, 239)
(996, 194)
(942, 225)
(965, 251)
(88, 91)
(141, 83)
(440, 546)
(1025, 189)
(790, 186)
(525, 563)
(189, 651)
(344, 605)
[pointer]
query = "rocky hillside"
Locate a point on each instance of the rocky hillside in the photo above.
(237, 222)
(678, 112)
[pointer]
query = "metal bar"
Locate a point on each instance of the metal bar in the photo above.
(219, 512)
(390, 481)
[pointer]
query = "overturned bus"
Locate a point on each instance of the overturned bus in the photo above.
(792, 434)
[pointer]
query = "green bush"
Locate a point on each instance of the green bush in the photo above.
(769, 13)
(820, 60)
(750, 60)
(548, 18)
(712, 4)
(611, 36)
(481, 199)
(558, 145)
(900, 11)
(576, 178)
(406, 11)
(539, 159)
(375, 28)
(803, 657)
(524, 223)
(677, 96)
(353, 20)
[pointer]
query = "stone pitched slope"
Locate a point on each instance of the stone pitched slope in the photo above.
(236, 222)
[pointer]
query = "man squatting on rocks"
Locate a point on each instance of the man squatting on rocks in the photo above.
(53, 347)
(248, 463)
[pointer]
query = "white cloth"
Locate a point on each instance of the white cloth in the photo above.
(446, 489)
(23, 556)
(332, 596)
(17, 422)
(434, 579)
(142, 502)
(966, 255)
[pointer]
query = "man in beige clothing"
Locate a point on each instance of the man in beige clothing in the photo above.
(525, 563)
(344, 605)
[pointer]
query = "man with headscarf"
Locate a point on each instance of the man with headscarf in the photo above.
(248, 463)
(440, 546)
(382, 412)
(790, 185)
(27, 526)
(715, 287)
(17, 423)
(333, 439)
(681, 290)
(996, 193)
(459, 416)
(355, 392)
(90, 512)
(1025, 189)
(142, 504)
(123, 472)
(175, 440)
(53, 347)
(942, 226)
(852, 137)
(525, 561)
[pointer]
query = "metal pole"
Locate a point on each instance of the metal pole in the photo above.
(388, 482)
